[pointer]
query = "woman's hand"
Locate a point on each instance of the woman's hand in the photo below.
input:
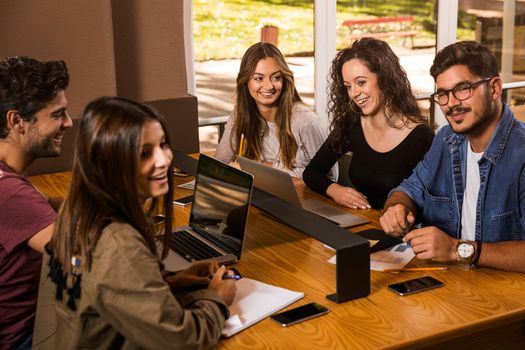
(197, 274)
(224, 288)
(347, 196)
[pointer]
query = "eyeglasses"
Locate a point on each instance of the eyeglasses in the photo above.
(461, 92)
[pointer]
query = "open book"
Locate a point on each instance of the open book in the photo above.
(255, 301)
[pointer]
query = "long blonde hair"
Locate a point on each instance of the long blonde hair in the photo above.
(248, 119)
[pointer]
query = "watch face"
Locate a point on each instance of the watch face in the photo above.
(465, 250)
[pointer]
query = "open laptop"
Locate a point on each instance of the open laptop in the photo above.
(279, 183)
(218, 217)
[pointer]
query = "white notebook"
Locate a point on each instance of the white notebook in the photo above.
(254, 301)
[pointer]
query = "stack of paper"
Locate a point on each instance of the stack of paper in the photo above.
(255, 301)
(395, 257)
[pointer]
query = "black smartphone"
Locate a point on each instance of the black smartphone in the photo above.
(157, 219)
(301, 313)
(416, 285)
(184, 200)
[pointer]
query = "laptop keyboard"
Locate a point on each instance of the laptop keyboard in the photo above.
(191, 248)
(221, 244)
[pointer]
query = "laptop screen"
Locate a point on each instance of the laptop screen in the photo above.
(221, 201)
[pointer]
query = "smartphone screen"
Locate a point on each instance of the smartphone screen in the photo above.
(184, 200)
(415, 285)
(301, 313)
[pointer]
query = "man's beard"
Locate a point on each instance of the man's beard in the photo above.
(42, 147)
(479, 122)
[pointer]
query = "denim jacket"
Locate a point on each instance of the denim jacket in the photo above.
(437, 183)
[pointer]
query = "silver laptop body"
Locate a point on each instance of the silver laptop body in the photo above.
(218, 216)
(279, 183)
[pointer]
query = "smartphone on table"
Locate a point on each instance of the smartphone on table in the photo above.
(158, 219)
(301, 313)
(416, 285)
(184, 200)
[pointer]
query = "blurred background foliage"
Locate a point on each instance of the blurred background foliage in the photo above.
(226, 28)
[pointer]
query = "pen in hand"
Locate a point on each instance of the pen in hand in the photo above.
(407, 226)
(231, 277)
(236, 275)
(406, 229)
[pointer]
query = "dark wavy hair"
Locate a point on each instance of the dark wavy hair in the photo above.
(478, 58)
(110, 131)
(27, 86)
(247, 116)
(391, 78)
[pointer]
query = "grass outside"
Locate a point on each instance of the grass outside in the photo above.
(226, 28)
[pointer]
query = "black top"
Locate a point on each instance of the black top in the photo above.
(372, 173)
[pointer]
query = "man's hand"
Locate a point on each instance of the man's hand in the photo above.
(397, 220)
(197, 274)
(432, 243)
(347, 196)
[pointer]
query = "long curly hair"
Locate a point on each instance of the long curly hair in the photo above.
(248, 119)
(393, 83)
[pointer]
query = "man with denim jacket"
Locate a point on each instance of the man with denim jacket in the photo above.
(469, 190)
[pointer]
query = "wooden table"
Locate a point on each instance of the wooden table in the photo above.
(481, 308)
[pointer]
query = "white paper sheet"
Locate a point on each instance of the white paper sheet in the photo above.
(254, 301)
(395, 257)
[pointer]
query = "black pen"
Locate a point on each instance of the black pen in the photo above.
(406, 230)
(407, 227)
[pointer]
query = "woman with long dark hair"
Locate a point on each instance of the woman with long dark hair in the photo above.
(102, 282)
(375, 118)
(270, 118)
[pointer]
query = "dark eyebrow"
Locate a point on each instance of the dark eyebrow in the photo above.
(271, 74)
(358, 77)
(455, 86)
(59, 111)
(145, 146)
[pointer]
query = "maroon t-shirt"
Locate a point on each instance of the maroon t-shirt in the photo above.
(23, 213)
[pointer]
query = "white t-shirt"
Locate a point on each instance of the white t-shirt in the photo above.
(309, 132)
(470, 196)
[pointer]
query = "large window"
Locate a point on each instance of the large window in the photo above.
(500, 25)
(409, 26)
(223, 30)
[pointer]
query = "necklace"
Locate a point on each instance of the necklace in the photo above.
(373, 131)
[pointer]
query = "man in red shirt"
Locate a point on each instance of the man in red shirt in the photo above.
(33, 119)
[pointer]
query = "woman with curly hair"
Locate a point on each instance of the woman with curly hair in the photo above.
(375, 119)
(276, 127)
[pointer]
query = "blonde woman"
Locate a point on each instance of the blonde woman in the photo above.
(276, 127)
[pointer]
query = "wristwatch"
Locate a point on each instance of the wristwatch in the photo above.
(465, 251)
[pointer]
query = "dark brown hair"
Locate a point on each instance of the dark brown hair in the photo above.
(248, 120)
(27, 86)
(391, 78)
(478, 58)
(110, 130)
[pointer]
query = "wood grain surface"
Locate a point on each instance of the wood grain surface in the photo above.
(481, 308)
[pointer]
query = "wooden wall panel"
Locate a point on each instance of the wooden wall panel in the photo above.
(149, 49)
